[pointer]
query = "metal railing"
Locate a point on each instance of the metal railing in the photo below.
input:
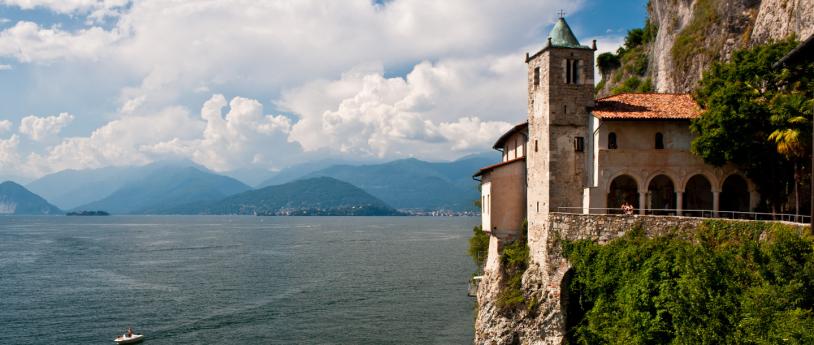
(784, 217)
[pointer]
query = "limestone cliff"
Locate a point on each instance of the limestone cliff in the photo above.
(694, 33)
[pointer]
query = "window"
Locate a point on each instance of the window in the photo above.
(535, 145)
(579, 144)
(538, 206)
(536, 76)
(571, 71)
(564, 109)
(612, 141)
(659, 141)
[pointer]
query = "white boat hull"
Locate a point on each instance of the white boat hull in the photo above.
(129, 340)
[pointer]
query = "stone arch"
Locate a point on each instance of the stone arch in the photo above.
(735, 195)
(698, 195)
(623, 188)
(661, 194)
(713, 180)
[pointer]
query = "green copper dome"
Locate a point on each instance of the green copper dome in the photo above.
(562, 36)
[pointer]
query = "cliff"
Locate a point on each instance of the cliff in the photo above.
(692, 34)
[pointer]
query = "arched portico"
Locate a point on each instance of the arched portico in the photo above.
(735, 194)
(623, 189)
(698, 195)
(661, 195)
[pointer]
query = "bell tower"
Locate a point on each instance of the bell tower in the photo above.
(560, 94)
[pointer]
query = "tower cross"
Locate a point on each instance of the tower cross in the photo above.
(561, 13)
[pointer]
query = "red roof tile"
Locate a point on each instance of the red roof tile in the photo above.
(647, 106)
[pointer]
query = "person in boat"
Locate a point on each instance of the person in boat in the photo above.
(129, 332)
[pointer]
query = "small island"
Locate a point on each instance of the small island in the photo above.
(88, 213)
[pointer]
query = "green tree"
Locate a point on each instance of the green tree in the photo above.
(607, 63)
(739, 99)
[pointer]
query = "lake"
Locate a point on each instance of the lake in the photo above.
(236, 280)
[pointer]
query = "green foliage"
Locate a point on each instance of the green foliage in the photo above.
(607, 62)
(513, 261)
(479, 246)
(691, 40)
(722, 285)
(634, 38)
(630, 61)
(745, 100)
(633, 84)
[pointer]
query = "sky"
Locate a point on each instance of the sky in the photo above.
(251, 85)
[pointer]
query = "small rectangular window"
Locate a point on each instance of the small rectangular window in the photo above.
(575, 72)
(568, 71)
(536, 76)
(535, 145)
(579, 144)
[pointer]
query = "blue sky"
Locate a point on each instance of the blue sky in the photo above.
(243, 84)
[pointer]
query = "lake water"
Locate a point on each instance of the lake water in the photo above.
(236, 280)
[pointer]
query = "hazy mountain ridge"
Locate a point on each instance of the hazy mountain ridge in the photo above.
(16, 199)
(416, 184)
(167, 188)
(306, 197)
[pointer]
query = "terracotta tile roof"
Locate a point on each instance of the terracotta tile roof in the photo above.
(494, 166)
(647, 106)
(500, 141)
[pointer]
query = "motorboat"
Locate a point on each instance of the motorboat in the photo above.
(129, 339)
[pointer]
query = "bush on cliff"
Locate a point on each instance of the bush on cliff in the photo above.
(723, 285)
(479, 246)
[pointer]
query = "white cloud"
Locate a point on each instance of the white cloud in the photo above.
(244, 136)
(5, 67)
(430, 113)
(41, 128)
(28, 42)
(328, 65)
(117, 143)
(5, 125)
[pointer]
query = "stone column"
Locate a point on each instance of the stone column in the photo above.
(716, 203)
(679, 203)
(642, 202)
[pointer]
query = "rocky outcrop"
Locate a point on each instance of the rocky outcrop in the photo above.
(692, 34)
(542, 320)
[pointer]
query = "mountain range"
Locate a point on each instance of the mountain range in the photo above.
(16, 199)
(165, 189)
(412, 184)
(323, 196)
(184, 187)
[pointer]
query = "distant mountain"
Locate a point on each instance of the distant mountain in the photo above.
(321, 196)
(15, 199)
(415, 184)
(167, 187)
(69, 189)
(299, 171)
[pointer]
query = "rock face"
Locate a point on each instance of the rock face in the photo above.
(694, 33)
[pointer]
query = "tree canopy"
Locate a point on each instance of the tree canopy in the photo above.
(745, 101)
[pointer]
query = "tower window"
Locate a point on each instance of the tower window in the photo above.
(571, 71)
(536, 76)
(535, 145)
(659, 141)
(612, 141)
(579, 144)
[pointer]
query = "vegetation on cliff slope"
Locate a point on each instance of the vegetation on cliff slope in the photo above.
(759, 118)
(722, 285)
(479, 246)
(627, 68)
